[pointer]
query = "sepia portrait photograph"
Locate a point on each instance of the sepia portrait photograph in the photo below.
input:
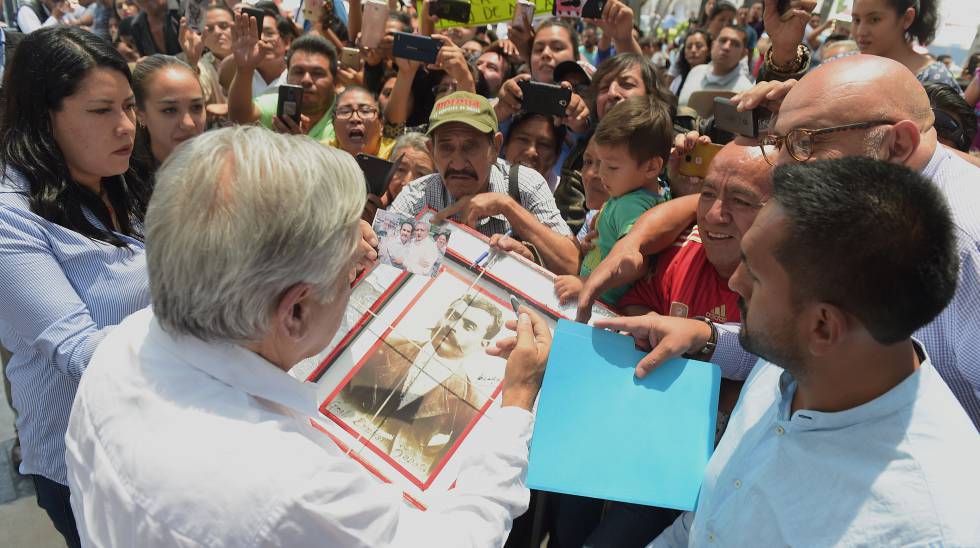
(428, 379)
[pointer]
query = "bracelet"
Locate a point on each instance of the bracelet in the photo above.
(793, 66)
(709, 347)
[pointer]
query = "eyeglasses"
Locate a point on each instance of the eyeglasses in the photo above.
(365, 112)
(799, 142)
(223, 25)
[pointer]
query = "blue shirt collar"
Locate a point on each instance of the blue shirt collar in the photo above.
(902, 395)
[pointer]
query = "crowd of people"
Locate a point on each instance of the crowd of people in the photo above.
(173, 243)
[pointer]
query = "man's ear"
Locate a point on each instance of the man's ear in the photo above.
(825, 328)
(293, 311)
(498, 142)
(902, 141)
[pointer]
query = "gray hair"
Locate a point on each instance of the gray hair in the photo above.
(240, 215)
(418, 141)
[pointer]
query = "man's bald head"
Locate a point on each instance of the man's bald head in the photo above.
(738, 183)
(859, 88)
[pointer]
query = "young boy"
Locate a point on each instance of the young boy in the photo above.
(633, 141)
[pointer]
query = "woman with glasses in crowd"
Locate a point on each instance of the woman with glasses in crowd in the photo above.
(889, 28)
(170, 109)
(71, 240)
(357, 124)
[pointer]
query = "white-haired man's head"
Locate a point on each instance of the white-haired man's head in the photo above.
(251, 238)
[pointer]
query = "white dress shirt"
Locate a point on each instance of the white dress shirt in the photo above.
(899, 470)
(174, 441)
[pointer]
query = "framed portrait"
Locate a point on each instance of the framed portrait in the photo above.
(406, 386)
(406, 243)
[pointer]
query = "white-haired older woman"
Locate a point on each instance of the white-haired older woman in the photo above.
(187, 428)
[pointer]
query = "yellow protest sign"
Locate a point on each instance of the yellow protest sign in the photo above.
(485, 12)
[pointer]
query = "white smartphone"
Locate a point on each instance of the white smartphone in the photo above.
(374, 19)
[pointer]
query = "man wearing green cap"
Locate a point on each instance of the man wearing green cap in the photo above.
(474, 186)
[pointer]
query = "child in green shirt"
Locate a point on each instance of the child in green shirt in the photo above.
(633, 141)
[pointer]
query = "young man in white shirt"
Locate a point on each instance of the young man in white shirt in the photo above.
(723, 72)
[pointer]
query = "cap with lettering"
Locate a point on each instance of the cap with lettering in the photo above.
(466, 108)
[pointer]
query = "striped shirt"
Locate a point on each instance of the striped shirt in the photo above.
(535, 197)
(60, 293)
(953, 338)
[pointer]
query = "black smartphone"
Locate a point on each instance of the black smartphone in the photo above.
(415, 47)
(593, 9)
(544, 98)
(377, 173)
(452, 10)
(749, 123)
(290, 102)
(259, 16)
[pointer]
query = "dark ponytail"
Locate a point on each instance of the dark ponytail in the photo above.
(926, 21)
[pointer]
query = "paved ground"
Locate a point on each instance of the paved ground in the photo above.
(22, 523)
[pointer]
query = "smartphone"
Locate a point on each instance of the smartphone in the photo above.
(544, 98)
(259, 16)
(452, 10)
(374, 19)
(523, 14)
(312, 11)
(782, 6)
(695, 163)
(578, 8)
(350, 58)
(415, 47)
(749, 123)
(290, 102)
(194, 11)
(377, 173)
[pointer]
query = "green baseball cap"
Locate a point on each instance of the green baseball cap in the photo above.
(466, 108)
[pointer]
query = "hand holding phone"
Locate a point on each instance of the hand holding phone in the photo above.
(415, 47)
(748, 123)
(374, 19)
(350, 58)
(543, 98)
(259, 16)
(290, 103)
(695, 163)
(523, 14)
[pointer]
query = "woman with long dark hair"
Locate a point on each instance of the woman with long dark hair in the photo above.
(169, 110)
(696, 50)
(890, 28)
(71, 241)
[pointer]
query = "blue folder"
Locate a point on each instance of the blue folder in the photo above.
(601, 432)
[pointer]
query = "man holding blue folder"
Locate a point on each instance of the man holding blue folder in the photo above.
(844, 433)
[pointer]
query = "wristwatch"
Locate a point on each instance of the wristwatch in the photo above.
(709, 347)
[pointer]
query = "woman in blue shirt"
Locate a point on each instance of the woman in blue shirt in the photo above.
(71, 241)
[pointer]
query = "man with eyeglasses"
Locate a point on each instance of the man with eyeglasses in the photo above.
(861, 105)
(310, 62)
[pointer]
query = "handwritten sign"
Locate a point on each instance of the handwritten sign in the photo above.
(485, 12)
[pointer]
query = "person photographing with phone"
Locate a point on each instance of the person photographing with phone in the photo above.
(311, 63)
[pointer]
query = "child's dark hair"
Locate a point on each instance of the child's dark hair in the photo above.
(641, 123)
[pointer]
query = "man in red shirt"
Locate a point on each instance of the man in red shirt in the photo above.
(691, 277)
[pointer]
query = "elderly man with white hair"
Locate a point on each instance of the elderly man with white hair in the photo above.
(187, 429)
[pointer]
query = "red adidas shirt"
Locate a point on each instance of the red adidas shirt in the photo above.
(685, 284)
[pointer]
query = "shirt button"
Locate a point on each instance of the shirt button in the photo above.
(738, 484)
(780, 431)
(711, 537)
